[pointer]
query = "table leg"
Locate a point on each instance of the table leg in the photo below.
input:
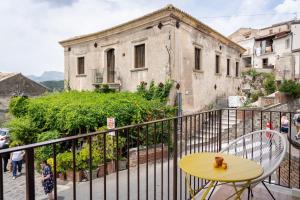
(190, 187)
(210, 186)
(237, 192)
(240, 192)
(192, 192)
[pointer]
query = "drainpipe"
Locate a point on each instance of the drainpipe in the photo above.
(294, 63)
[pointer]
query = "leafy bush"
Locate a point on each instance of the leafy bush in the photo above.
(254, 96)
(161, 91)
(252, 72)
(23, 129)
(18, 106)
(45, 152)
(15, 143)
(269, 83)
(78, 112)
(104, 88)
(291, 88)
(65, 159)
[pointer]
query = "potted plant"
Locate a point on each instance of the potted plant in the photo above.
(65, 161)
(83, 160)
(122, 163)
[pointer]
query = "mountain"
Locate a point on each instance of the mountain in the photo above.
(54, 85)
(48, 76)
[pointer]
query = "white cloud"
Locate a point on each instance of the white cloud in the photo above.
(288, 6)
(31, 29)
(250, 14)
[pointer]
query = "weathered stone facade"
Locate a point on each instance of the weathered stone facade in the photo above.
(170, 37)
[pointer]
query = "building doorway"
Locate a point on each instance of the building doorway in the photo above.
(110, 66)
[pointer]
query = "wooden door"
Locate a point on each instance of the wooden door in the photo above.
(111, 66)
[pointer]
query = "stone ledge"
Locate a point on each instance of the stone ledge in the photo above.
(139, 69)
(81, 75)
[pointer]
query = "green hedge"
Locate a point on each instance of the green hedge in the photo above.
(291, 88)
(76, 112)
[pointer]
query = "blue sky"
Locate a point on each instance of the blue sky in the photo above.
(31, 29)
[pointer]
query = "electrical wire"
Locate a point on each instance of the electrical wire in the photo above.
(250, 15)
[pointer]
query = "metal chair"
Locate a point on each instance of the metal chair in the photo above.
(266, 147)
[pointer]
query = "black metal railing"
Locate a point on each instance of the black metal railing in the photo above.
(152, 150)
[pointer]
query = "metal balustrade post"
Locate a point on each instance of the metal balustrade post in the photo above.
(30, 189)
(175, 159)
(1, 179)
(220, 130)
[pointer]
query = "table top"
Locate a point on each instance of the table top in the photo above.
(239, 169)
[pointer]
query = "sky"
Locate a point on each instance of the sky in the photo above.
(30, 29)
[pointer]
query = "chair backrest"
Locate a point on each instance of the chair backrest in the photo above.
(266, 147)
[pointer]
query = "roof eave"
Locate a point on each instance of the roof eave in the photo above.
(169, 11)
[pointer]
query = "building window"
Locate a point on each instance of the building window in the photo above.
(228, 67)
(287, 43)
(80, 65)
(217, 64)
(139, 56)
(265, 62)
(197, 58)
(237, 69)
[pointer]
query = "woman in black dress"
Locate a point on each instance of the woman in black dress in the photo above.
(47, 179)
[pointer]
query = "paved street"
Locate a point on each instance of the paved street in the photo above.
(15, 189)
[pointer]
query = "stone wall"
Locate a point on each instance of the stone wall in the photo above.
(289, 175)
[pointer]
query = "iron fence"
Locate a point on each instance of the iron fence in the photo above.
(152, 150)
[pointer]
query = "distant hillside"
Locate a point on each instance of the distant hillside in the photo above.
(48, 76)
(54, 85)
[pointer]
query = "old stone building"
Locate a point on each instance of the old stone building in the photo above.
(15, 84)
(167, 44)
(272, 49)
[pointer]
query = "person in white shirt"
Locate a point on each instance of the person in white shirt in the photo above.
(16, 159)
(2, 142)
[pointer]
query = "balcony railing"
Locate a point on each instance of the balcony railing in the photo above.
(152, 150)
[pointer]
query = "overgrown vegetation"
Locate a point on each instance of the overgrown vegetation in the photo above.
(61, 114)
(269, 83)
(291, 88)
(74, 112)
(260, 83)
(255, 95)
(251, 72)
(160, 91)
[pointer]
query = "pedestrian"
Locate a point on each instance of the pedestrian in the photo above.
(47, 179)
(5, 157)
(17, 159)
(284, 124)
(2, 142)
(296, 120)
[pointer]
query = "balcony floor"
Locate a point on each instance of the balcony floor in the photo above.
(259, 192)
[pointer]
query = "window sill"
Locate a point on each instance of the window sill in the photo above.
(139, 69)
(218, 74)
(198, 70)
(81, 75)
(228, 76)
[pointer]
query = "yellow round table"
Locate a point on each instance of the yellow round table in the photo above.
(200, 165)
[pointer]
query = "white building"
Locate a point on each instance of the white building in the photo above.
(167, 44)
(271, 49)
